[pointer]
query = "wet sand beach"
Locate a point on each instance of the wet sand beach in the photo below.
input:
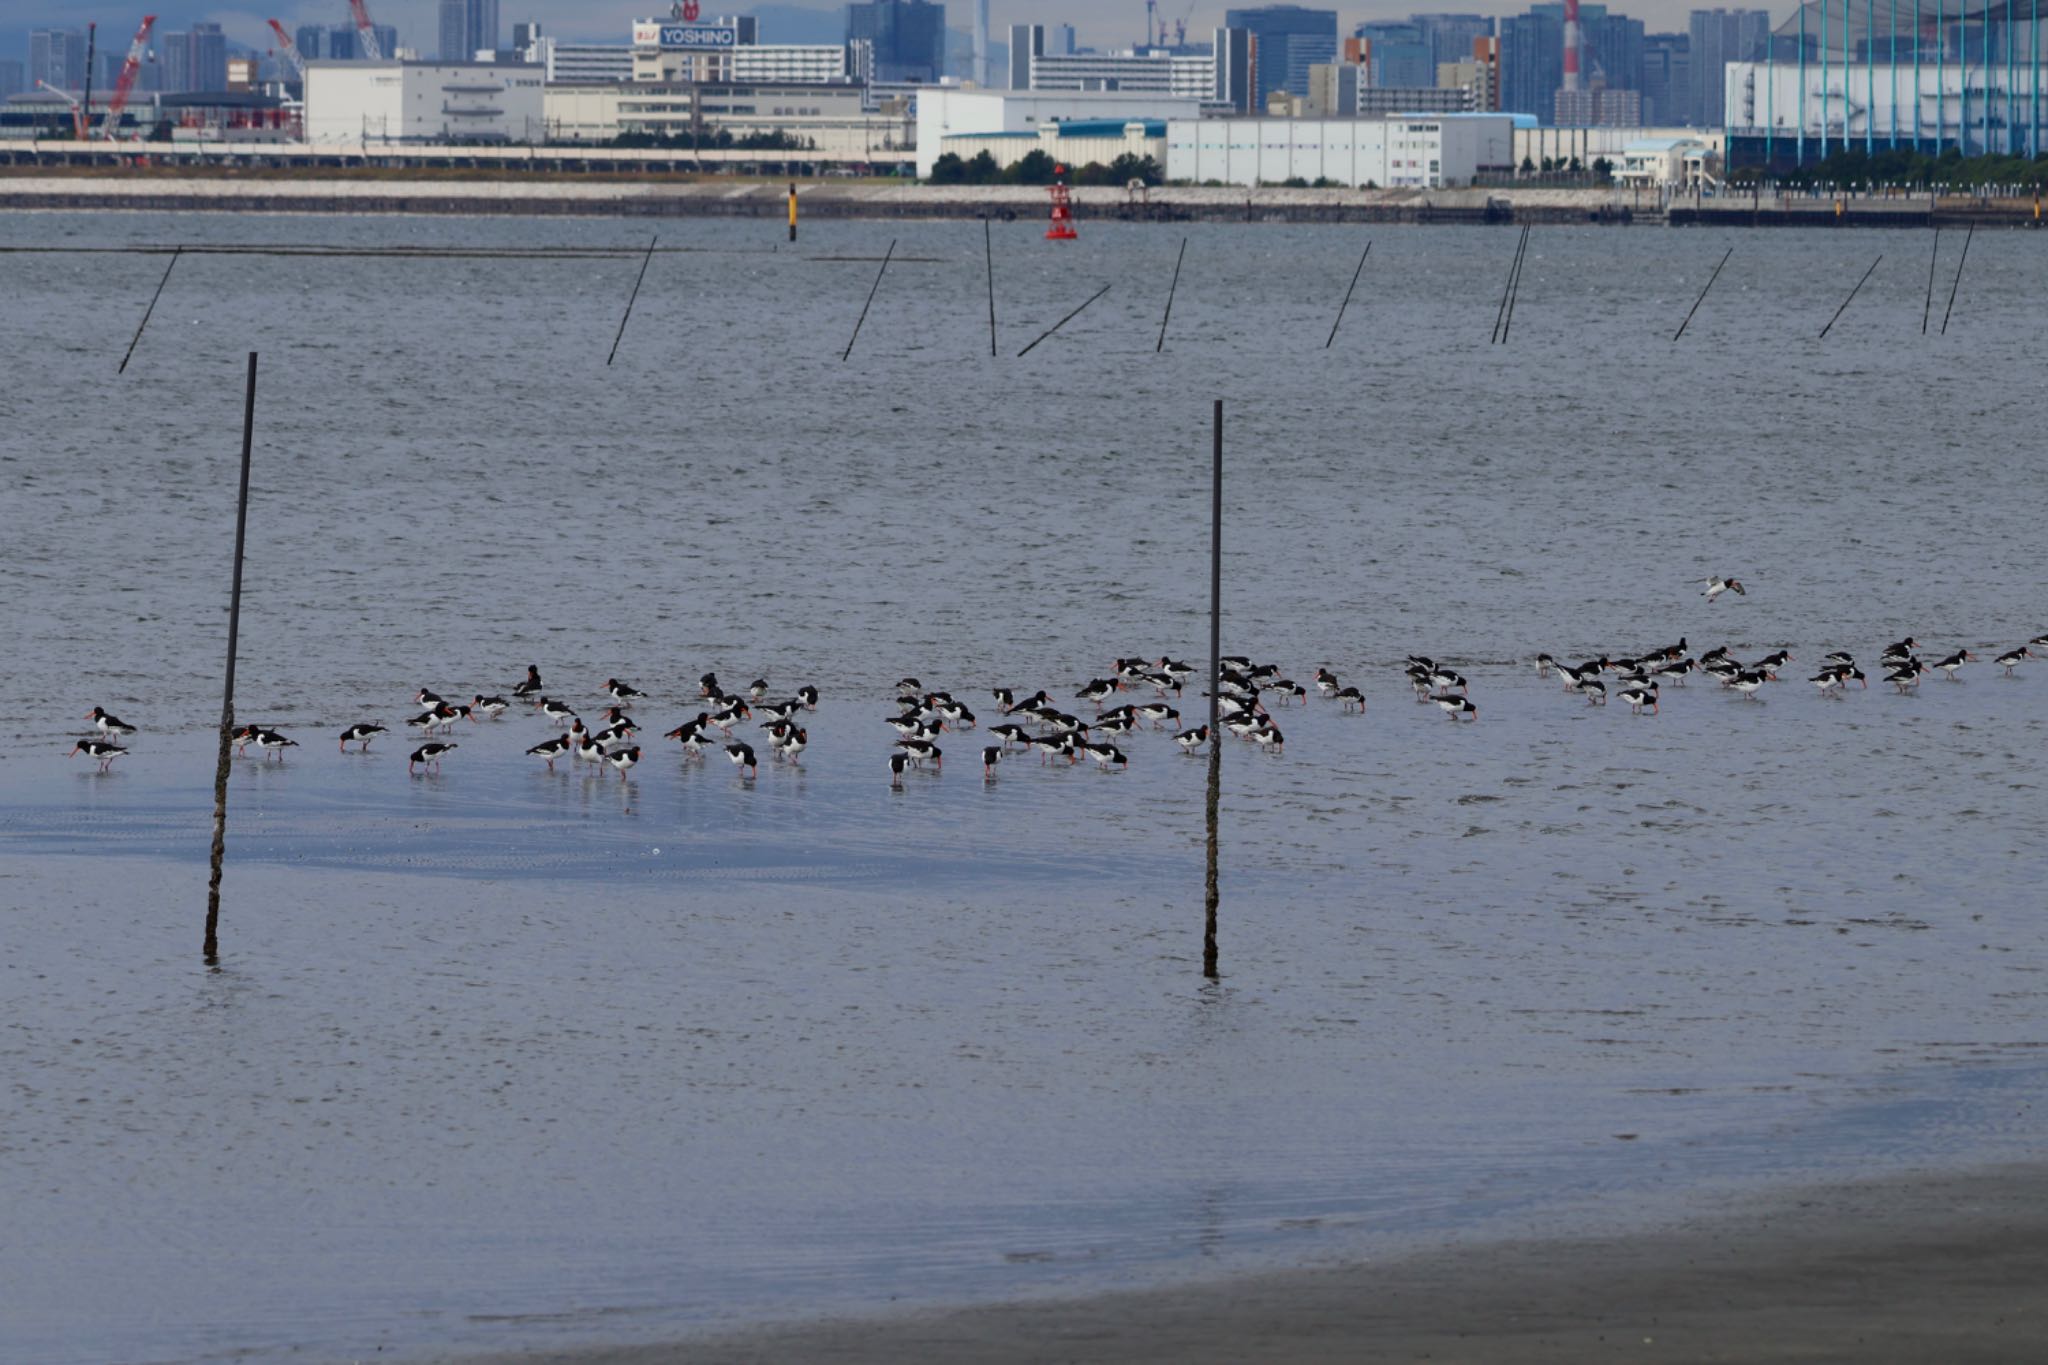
(1950, 1268)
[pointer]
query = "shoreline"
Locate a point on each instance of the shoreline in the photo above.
(52, 190)
(1936, 1266)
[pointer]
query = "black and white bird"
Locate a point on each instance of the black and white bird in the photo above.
(621, 692)
(921, 749)
(624, 759)
(1456, 707)
(757, 689)
(360, 734)
(531, 685)
(991, 756)
(792, 745)
(1098, 691)
(1106, 756)
(808, 695)
(108, 723)
(2012, 659)
(430, 755)
(556, 711)
(1747, 683)
(1351, 699)
(551, 749)
(1954, 662)
(1191, 740)
(1638, 698)
(1716, 586)
(271, 742)
(493, 707)
(1327, 684)
(897, 763)
(742, 756)
(101, 751)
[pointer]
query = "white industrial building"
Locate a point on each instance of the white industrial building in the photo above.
(580, 63)
(395, 101)
(1395, 153)
(1080, 142)
(948, 111)
(1154, 72)
(827, 118)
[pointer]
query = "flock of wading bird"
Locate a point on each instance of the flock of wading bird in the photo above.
(1246, 694)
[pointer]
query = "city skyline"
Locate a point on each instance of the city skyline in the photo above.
(418, 23)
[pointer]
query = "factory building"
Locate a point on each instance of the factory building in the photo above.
(398, 101)
(949, 111)
(1395, 153)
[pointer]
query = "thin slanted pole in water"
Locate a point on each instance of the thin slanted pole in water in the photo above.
(1515, 292)
(211, 949)
(1959, 279)
(887, 256)
(630, 299)
(1927, 308)
(1852, 297)
(1171, 290)
(1062, 322)
(1347, 296)
(1514, 268)
(988, 247)
(1702, 298)
(1211, 892)
(175, 254)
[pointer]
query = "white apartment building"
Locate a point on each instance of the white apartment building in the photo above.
(365, 103)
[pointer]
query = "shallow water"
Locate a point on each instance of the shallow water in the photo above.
(500, 1055)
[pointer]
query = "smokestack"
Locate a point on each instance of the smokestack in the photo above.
(981, 43)
(1571, 44)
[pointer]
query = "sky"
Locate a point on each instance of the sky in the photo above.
(1099, 23)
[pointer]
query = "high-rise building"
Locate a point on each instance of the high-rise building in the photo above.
(311, 41)
(194, 61)
(56, 55)
(1532, 61)
(467, 27)
(1237, 69)
(1026, 41)
(1290, 39)
(1397, 53)
(13, 77)
(1450, 36)
(1667, 79)
(909, 38)
(1612, 48)
(1721, 36)
(344, 44)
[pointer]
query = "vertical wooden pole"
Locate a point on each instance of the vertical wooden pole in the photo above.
(988, 249)
(211, 949)
(1212, 892)
(1927, 308)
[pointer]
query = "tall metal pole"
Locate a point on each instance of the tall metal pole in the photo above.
(633, 298)
(210, 950)
(147, 312)
(1928, 307)
(1171, 290)
(1211, 891)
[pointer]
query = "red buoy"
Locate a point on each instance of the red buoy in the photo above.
(1062, 229)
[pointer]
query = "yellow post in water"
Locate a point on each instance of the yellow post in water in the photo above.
(792, 210)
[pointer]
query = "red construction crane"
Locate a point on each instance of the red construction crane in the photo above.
(124, 85)
(366, 33)
(289, 48)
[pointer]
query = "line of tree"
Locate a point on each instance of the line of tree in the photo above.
(1855, 169)
(715, 139)
(1037, 167)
